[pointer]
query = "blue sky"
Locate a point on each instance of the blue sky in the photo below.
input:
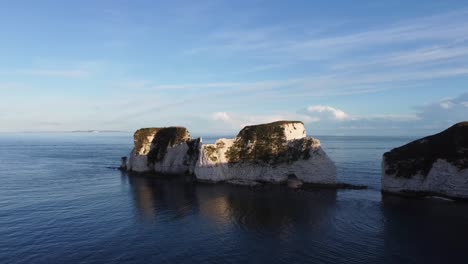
(343, 67)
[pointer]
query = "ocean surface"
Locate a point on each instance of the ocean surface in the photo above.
(61, 203)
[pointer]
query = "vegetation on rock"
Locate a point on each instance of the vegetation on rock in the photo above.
(140, 138)
(164, 138)
(267, 143)
(192, 151)
(419, 156)
(210, 150)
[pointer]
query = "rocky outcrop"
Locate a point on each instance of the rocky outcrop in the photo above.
(434, 165)
(268, 152)
(123, 164)
(274, 152)
(168, 150)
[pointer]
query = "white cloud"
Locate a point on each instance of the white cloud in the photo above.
(446, 104)
(332, 117)
(426, 119)
(223, 116)
(337, 113)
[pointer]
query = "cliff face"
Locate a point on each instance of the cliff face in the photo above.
(142, 140)
(163, 150)
(267, 152)
(437, 164)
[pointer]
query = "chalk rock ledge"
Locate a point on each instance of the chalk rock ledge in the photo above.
(267, 152)
(434, 165)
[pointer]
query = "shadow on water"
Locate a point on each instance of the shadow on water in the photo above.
(269, 208)
(313, 224)
(175, 198)
(425, 230)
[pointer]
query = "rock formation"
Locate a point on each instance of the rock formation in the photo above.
(167, 150)
(273, 152)
(434, 165)
(123, 164)
(268, 152)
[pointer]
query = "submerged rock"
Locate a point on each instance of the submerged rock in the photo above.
(434, 165)
(268, 152)
(168, 150)
(293, 182)
(243, 182)
(123, 164)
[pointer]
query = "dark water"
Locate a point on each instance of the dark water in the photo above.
(60, 204)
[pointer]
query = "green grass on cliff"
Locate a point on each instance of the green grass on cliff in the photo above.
(266, 143)
(165, 138)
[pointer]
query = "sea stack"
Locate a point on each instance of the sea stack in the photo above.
(168, 150)
(267, 152)
(434, 165)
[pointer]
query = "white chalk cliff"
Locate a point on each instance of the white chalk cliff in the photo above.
(163, 150)
(434, 165)
(268, 152)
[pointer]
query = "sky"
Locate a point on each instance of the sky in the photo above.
(341, 67)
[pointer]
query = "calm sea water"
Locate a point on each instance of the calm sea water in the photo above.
(59, 203)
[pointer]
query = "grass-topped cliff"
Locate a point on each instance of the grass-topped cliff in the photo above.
(154, 141)
(419, 156)
(164, 138)
(142, 139)
(267, 143)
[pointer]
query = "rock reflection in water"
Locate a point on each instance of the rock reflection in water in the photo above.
(270, 208)
(424, 230)
(174, 197)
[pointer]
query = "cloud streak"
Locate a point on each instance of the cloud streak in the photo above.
(276, 41)
(366, 60)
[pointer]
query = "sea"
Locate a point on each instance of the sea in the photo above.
(63, 201)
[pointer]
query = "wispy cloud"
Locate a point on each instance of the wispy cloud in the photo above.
(419, 57)
(255, 85)
(235, 73)
(236, 121)
(52, 68)
(277, 41)
(67, 73)
(320, 85)
(361, 60)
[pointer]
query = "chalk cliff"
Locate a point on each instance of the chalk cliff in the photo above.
(267, 152)
(167, 150)
(434, 165)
